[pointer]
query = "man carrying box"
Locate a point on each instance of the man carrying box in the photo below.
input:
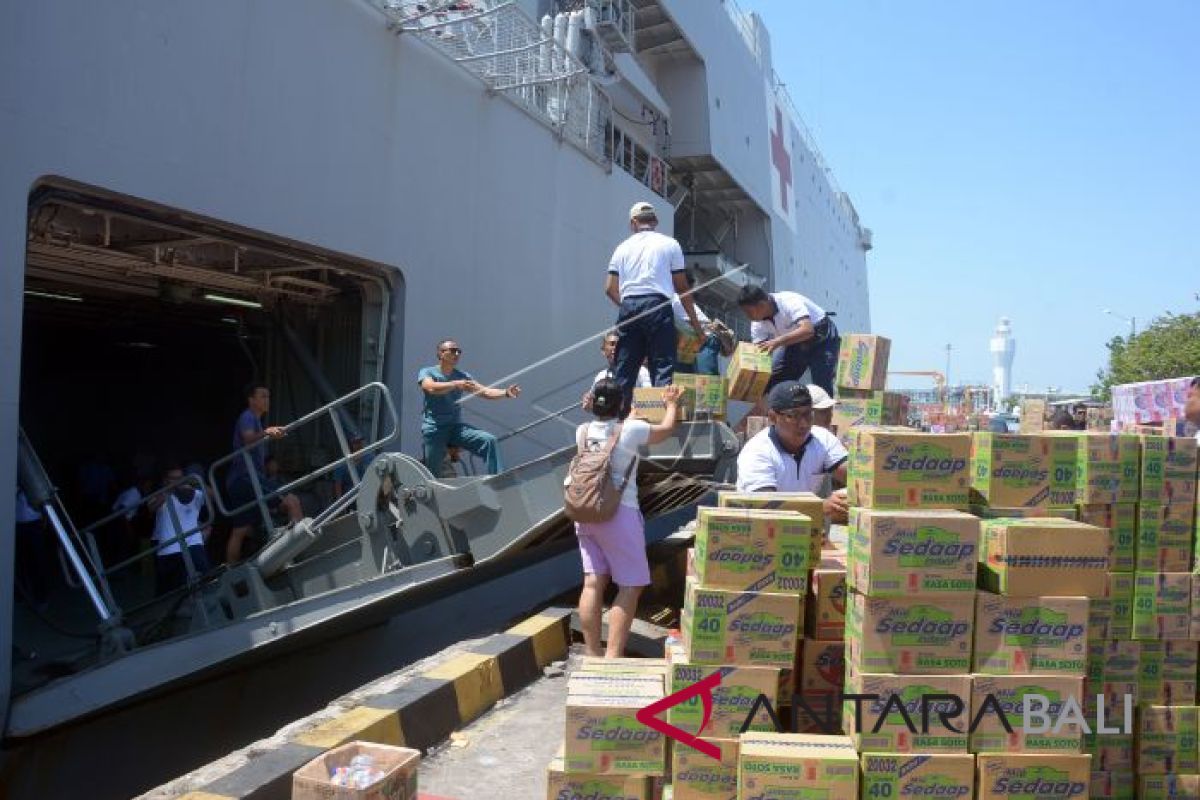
(797, 333)
(793, 455)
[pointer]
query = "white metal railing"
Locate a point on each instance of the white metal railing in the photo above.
(512, 56)
(628, 154)
(617, 15)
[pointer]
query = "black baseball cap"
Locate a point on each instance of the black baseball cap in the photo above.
(788, 395)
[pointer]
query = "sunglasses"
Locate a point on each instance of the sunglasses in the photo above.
(455, 350)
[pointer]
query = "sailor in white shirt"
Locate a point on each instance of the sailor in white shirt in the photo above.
(793, 455)
(184, 503)
(799, 335)
(609, 348)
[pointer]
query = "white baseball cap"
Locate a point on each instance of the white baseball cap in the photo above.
(820, 398)
(641, 210)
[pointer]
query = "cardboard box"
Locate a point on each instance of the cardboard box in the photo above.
(904, 731)
(805, 503)
(1165, 537)
(914, 635)
(1168, 740)
(1111, 751)
(1194, 621)
(1033, 776)
(753, 550)
(1162, 605)
(797, 765)
(1112, 785)
(399, 765)
(706, 394)
(695, 776)
(753, 628)
(995, 512)
(1099, 418)
(1121, 521)
(604, 737)
(1167, 672)
(1106, 467)
(897, 553)
(825, 610)
(605, 683)
(625, 666)
(732, 700)
(1010, 692)
(898, 468)
(822, 668)
(560, 783)
(1022, 470)
(937, 775)
(1030, 635)
(1111, 616)
(1168, 469)
(1167, 787)
(1033, 416)
(1113, 661)
(1023, 557)
(748, 372)
(863, 361)
(687, 343)
(856, 409)
(648, 404)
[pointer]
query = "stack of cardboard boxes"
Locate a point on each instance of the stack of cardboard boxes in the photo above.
(860, 381)
(910, 611)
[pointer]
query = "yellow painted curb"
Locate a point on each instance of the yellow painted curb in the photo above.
(549, 638)
(477, 684)
(378, 725)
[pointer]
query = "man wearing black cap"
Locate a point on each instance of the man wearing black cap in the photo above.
(791, 454)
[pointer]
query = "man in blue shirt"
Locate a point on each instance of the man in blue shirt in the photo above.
(441, 420)
(246, 431)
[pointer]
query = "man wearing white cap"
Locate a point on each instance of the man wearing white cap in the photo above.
(645, 271)
(822, 405)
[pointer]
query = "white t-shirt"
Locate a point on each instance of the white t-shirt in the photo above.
(128, 501)
(791, 308)
(634, 434)
(643, 378)
(681, 312)
(763, 463)
(189, 518)
(643, 264)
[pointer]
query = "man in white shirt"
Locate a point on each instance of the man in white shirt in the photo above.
(791, 454)
(643, 273)
(1191, 407)
(185, 504)
(797, 333)
(608, 347)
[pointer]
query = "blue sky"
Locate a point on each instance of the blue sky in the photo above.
(1036, 160)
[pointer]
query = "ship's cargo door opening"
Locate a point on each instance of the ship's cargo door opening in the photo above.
(142, 327)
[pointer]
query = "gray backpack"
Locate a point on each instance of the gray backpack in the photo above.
(589, 493)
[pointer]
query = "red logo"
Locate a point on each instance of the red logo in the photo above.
(648, 716)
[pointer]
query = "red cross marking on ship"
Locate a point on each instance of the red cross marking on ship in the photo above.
(780, 157)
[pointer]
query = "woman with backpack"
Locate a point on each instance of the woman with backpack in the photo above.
(602, 497)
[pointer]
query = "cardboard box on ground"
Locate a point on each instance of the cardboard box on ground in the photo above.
(397, 765)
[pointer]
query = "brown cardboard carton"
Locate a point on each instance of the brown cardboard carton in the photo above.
(1194, 617)
(1113, 784)
(1106, 468)
(752, 628)
(1033, 416)
(1031, 635)
(797, 765)
(624, 666)
(863, 361)
(1047, 694)
(1168, 469)
(1033, 775)
(993, 512)
(399, 765)
(1100, 418)
(1165, 536)
(1113, 661)
(753, 550)
(896, 553)
(560, 783)
(1022, 470)
(706, 393)
(602, 683)
(805, 503)
(695, 776)
(898, 701)
(604, 737)
(825, 610)
(1162, 605)
(822, 668)
(732, 700)
(898, 468)
(1111, 616)
(1167, 787)
(648, 404)
(1168, 740)
(1121, 521)
(748, 372)
(1167, 672)
(1113, 751)
(856, 409)
(945, 775)
(915, 635)
(1023, 557)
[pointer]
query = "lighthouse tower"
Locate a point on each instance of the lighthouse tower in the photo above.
(1003, 347)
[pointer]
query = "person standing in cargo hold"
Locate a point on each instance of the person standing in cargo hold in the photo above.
(616, 550)
(793, 455)
(441, 420)
(798, 333)
(645, 271)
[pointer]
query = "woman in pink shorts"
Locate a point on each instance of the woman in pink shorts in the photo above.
(616, 550)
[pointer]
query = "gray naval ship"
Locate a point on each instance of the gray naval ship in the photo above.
(313, 193)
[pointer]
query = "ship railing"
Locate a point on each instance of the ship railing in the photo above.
(628, 154)
(263, 495)
(495, 41)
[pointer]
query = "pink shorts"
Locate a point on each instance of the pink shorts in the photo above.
(616, 547)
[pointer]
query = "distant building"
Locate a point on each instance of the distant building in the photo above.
(1003, 347)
